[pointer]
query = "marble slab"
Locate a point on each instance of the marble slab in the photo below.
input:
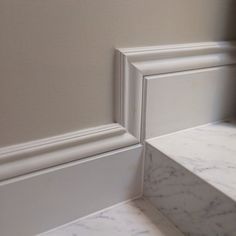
(190, 176)
(134, 218)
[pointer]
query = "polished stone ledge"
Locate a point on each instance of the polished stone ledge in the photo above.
(190, 176)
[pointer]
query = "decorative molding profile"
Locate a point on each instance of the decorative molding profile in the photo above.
(136, 63)
(132, 67)
(28, 157)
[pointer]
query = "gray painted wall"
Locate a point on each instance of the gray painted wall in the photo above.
(57, 56)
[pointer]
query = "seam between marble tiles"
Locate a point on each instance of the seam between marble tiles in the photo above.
(185, 130)
(171, 223)
(90, 215)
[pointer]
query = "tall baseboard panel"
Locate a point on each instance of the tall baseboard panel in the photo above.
(167, 88)
(40, 201)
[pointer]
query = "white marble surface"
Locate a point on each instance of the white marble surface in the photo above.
(134, 218)
(190, 177)
(208, 151)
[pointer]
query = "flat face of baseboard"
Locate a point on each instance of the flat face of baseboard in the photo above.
(43, 200)
(183, 100)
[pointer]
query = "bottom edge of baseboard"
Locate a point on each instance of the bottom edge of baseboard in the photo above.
(39, 202)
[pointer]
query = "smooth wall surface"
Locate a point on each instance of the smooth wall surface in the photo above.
(57, 57)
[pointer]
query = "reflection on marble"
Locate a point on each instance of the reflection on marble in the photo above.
(190, 176)
(134, 218)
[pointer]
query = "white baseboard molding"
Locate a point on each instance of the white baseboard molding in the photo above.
(133, 113)
(36, 155)
(49, 182)
(136, 65)
(40, 201)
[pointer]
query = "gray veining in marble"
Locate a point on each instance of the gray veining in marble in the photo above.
(134, 218)
(190, 176)
(208, 151)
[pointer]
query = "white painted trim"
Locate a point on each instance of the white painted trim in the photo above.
(42, 200)
(132, 67)
(51, 171)
(136, 63)
(36, 155)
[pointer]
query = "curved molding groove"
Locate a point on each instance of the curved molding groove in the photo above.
(133, 68)
(136, 64)
(36, 155)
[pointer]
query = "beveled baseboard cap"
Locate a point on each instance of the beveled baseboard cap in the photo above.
(41, 154)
